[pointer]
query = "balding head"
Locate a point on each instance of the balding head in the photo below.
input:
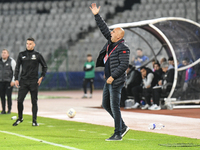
(117, 34)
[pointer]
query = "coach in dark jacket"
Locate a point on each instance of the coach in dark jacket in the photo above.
(115, 58)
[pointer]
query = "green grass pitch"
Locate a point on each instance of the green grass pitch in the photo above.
(82, 136)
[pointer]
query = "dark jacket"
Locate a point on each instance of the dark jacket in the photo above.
(30, 61)
(6, 72)
(160, 73)
(119, 59)
(168, 79)
(134, 78)
(169, 76)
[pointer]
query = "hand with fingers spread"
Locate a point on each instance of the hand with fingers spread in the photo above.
(94, 8)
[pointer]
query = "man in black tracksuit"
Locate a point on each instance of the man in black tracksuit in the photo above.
(115, 58)
(29, 60)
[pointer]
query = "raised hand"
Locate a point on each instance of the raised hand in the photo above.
(94, 8)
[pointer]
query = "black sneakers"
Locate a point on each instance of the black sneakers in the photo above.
(115, 138)
(18, 121)
(35, 124)
(125, 130)
(9, 112)
(3, 112)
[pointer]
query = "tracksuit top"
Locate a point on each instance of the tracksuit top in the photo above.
(30, 60)
(89, 69)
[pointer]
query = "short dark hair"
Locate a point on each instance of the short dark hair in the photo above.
(138, 49)
(170, 59)
(156, 64)
(185, 59)
(31, 39)
(89, 55)
(143, 67)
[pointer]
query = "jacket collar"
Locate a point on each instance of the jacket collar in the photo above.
(116, 43)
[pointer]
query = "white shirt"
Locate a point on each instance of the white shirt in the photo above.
(147, 81)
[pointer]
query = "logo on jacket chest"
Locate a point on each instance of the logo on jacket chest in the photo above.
(33, 57)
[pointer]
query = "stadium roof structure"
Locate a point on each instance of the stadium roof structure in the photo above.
(180, 38)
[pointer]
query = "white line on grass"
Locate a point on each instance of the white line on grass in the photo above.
(136, 139)
(38, 140)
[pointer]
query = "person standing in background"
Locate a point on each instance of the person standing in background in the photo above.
(29, 61)
(89, 76)
(140, 58)
(7, 67)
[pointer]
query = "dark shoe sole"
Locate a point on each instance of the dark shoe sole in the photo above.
(127, 129)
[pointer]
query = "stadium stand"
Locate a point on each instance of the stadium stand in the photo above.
(70, 25)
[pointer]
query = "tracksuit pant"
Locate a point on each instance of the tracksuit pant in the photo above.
(85, 82)
(138, 90)
(6, 90)
(25, 87)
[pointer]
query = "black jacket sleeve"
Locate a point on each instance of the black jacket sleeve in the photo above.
(44, 65)
(103, 27)
(17, 67)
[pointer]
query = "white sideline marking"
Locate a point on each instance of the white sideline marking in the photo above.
(136, 139)
(38, 140)
(82, 130)
(103, 134)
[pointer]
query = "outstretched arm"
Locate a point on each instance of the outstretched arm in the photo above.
(100, 22)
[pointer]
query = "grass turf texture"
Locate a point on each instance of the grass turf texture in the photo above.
(81, 136)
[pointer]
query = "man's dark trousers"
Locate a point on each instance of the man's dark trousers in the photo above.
(3, 89)
(9, 97)
(85, 82)
(25, 86)
(111, 103)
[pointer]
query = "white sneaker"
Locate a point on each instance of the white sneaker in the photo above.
(145, 107)
(152, 106)
(136, 105)
(156, 108)
(84, 96)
